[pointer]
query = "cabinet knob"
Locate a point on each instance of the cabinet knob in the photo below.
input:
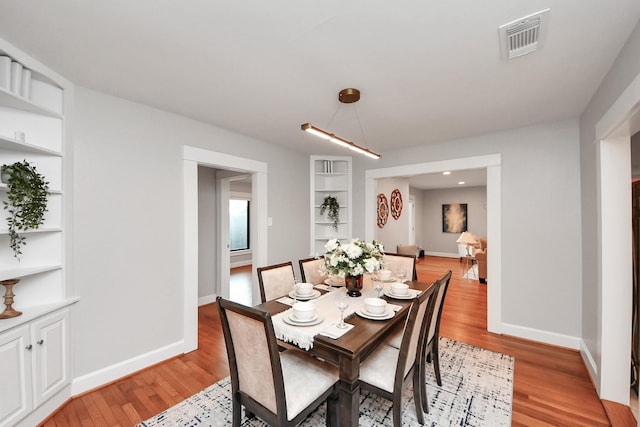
(29, 347)
(40, 341)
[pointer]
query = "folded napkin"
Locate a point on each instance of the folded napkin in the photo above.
(332, 331)
(285, 300)
(323, 287)
(396, 308)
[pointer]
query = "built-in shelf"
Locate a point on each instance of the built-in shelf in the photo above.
(35, 231)
(8, 143)
(330, 176)
(33, 312)
(17, 273)
(5, 187)
(12, 100)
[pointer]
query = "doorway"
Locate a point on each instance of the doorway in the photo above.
(192, 158)
(492, 163)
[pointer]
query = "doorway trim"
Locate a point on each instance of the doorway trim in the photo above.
(613, 138)
(492, 162)
(192, 158)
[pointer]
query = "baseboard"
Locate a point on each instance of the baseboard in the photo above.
(110, 373)
(207, 299)
(44, 411)
(239, 263)
(442, 254)
(541, 336)
(589, 362)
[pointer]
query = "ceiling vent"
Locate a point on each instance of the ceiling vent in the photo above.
(524, 35)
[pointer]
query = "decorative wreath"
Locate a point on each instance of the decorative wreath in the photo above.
(396, 204)
(383, 210)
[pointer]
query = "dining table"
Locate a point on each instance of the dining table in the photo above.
(349, 350)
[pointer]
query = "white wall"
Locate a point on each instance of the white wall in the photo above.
(435, 241)
(540, 191)
(128, 226)
(396, 231)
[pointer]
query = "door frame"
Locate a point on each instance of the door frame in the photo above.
(192, 158)
(492, 163)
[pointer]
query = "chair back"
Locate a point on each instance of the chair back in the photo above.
(275, 280)
(395, 262)
(253, 355)
(407, 250)
(311, 270)
(414, 333)
(441, 286)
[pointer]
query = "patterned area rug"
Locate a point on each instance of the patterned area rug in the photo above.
(477, 390)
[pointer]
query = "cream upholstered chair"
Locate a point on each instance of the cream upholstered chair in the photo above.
(281, 388)
(386, 370)
(311, 270)
(407, 250)
(395, 262)
(430, 351)
(276, 280)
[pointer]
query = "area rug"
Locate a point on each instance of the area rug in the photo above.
(477, 390)
(472, 273)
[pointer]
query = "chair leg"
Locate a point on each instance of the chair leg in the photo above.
(249, 414)
(423, 388)
(436, 361)
(236, 412)
(417, 393)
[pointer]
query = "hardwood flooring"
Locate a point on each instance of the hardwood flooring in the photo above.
(551, 385)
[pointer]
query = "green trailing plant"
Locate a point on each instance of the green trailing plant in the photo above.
(26, 201)
(331, 205)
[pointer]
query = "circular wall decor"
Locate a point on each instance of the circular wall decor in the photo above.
(383, 210)
(396, 204)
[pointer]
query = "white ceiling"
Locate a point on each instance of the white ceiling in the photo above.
(428, 70)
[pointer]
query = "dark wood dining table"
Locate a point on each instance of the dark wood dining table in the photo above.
(348, 351)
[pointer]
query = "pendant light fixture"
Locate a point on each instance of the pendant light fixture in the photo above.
(346, 96)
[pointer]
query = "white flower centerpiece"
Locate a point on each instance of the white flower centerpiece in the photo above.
(352, 260)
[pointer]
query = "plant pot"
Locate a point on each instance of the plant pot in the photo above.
(353, 285)
(4, 176)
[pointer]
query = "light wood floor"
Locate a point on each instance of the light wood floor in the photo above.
(551, 385)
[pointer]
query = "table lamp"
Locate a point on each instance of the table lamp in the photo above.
(468, 239)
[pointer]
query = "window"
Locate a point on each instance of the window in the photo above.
(239, 224)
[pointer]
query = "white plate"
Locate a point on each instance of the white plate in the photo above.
(334, 284)
(368, 313)
(363, 313)
(411, 295)
(315, 294)
(289, 320)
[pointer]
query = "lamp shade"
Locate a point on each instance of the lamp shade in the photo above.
(467, 238)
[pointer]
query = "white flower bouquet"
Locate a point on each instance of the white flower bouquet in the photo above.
(354, 258)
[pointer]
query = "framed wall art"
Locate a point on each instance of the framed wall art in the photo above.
(454, 218)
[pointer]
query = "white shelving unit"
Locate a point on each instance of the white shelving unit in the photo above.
(35, 345)
(330, 176)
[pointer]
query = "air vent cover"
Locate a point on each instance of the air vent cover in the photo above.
(524, 35)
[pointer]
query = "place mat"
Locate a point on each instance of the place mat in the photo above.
(326, 306)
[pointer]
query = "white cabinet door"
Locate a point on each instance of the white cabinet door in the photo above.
(50, 345)
(16, 397)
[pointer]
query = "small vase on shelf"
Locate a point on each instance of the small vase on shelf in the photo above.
(9, 311)
(353, 284)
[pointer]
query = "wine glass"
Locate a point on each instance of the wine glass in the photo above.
(295, 286)
(377, 285)
(402, 273)
(343, 304)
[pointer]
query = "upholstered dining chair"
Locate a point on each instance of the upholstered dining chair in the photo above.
(310, 270)
(281, 388)
(395, 262)
(276, 280)
(386, 370)
(430, 351)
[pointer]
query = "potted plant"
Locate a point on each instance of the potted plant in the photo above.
(26, 201)
(331, 205)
